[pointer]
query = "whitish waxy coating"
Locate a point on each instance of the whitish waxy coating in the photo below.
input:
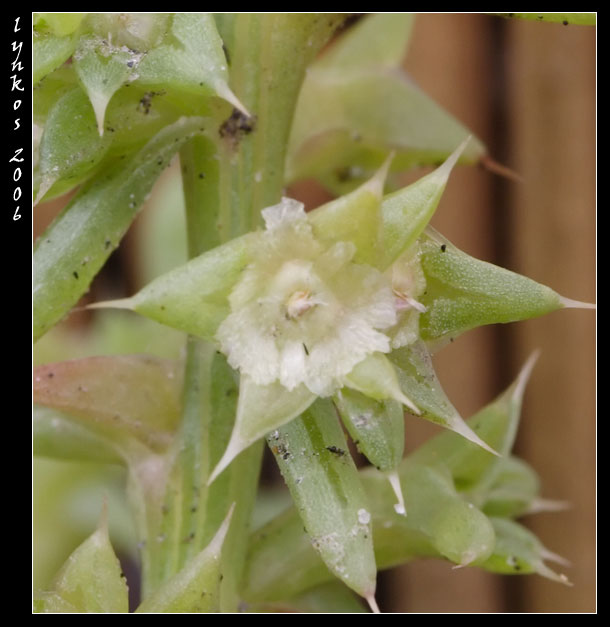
(303, 312)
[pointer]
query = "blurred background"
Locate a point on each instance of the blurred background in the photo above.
(527, 90)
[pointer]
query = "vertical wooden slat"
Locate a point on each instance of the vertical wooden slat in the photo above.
(450, 59)
(551, 74)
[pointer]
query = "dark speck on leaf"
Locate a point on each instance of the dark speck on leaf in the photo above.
(444, 247)
(75, 274)
(336, 451)
(107, 243)
(565, 22)
(201, 175)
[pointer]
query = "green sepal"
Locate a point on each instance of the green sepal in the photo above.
(519, 552)
(91, 581)
(355, 217)
(313, 457)
(418, 381)
(196, 587)
(474, 469)
(193, 297)
(75, 246)
(260, 409)
(406, 212)
(376, 427)
(376, 377)
(463, 292)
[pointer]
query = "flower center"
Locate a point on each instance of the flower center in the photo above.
(299, 302)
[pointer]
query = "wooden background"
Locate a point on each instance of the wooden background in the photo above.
(528, 91)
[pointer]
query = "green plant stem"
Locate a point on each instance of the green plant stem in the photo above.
(228, 177)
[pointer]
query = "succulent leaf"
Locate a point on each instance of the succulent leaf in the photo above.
(463, 293)
(119, 395)
(75, 246)
(90, 581)
(312, 454)
(196, 587)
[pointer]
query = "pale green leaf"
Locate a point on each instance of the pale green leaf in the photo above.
(193, 297)
(59, 436)
(196, 587)
(75, 246)
(463, 293)
(191, 59)
(312, 454)
(70, 145)
(519, 552)
(473, 468)
(119, 395)
(91, 581)
(418, 380)
(102, 69)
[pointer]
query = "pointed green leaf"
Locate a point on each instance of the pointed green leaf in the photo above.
(354, 217)
(376, 377)
(378, 430)
(59, 24)
(119, 395)
(90, 581)
(463, 293)
(472, 467)
(75, 246)
(439, 523)
(49, 52)
(102, 69)
(377, 427)
(312, 454)
(582, 19)
(191, 59)
(58, 436)
(519, 552)
(447, 525)
(196, 588)
(70, 145)
(260, 409)
(406, 213)
(418, 380)
(376, 40)
(193, 297)
(514, 490)
(351, 113)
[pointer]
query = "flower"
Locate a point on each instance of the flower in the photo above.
(303, 311)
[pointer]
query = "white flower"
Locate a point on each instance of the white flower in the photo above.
(303, 312)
